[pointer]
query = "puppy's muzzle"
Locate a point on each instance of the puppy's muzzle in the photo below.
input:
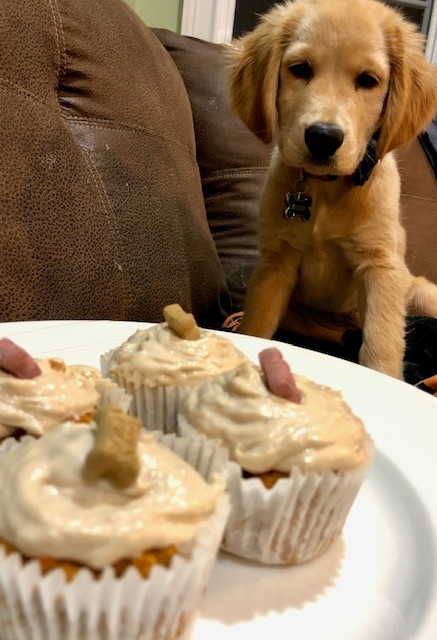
(323, 139)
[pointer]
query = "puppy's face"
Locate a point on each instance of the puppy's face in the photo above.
(322, 76)
(333, 80)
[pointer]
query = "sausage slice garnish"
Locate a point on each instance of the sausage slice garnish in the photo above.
(16, 361)
(278, 377)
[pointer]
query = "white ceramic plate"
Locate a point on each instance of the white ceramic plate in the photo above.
(378, 582)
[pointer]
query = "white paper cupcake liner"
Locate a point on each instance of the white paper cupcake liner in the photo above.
(11, 443)
(111, 393)
(203, 454)
(104, 363)
(294, 521)
(33, 607)
(156, 407)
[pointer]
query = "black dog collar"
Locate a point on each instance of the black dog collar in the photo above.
(364, 170)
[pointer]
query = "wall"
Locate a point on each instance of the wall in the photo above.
(159, 13)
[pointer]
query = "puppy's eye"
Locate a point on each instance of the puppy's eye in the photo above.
(367, 81)
(301, 70)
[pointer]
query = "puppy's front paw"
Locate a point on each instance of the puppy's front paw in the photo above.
(388, 362)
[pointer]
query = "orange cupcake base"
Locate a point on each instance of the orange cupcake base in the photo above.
(142, 563)
(268, 478)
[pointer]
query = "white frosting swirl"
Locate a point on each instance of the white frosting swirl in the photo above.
(40, 403)
(158, 356)
(264, 432)
(47, 509)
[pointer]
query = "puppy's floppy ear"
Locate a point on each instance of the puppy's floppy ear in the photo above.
(411, 100)
(254, 72)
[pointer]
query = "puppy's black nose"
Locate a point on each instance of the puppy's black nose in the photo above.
(323, 139)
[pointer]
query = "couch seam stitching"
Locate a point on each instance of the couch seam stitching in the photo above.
(60, 41)
(411, 195)
(234, 172)
(119, 253)
(112, 223)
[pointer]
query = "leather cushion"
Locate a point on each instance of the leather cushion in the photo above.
(101, 204)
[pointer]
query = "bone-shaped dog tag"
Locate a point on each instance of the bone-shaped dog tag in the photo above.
(297, 205)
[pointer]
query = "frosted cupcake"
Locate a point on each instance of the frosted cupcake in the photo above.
(37, 394)
(297, 461)
(158, 365)
(111, 534)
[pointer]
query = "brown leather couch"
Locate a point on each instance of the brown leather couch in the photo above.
(126, 182)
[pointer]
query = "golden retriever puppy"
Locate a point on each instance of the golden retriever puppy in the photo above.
(337, 85)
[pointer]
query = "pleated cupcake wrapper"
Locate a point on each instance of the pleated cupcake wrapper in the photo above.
(104, 363)
(208, 458)
(11, 443)
(294, 521)
(109, 394)
(156, 407)
(33, 607)
(109, 608)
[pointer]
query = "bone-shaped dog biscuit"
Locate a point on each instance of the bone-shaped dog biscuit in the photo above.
(114, 453)
(182, 323)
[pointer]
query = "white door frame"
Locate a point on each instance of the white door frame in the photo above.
(213, 20)
(431, 43)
